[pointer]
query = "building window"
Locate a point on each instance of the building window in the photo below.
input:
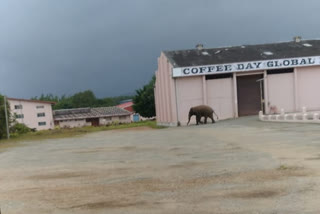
(41, 114)
(123, 117)
(42, 123)
(280, 71)
(17, 106)
(218, 76)
(19, 116)
(40, 107)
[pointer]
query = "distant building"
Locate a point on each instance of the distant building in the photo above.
(127, 105)
(33, 113)
(79, 117)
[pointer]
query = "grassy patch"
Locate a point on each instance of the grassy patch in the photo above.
(72, 132)
(285, 167)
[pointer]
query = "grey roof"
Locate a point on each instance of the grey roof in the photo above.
(243, 53)
(83, 113)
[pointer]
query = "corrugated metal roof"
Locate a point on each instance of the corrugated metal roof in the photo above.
(243, 53)
(83, 113)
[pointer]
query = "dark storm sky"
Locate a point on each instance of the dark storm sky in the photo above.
(111, 46)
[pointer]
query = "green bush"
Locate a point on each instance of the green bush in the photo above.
(3, 127)
(19, 129)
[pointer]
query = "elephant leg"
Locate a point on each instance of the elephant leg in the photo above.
(211, 117)
(198, 118)
(205, 119)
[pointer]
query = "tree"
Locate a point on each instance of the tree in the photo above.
(3, 127)
(47, 97)
(83, 99)
(144, 100)
(63, 103)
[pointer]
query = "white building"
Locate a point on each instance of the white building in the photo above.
(33, 113)
(78, 117)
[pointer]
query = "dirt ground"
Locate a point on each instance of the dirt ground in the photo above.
(235, 166)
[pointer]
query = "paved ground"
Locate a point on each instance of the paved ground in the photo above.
(236, 166)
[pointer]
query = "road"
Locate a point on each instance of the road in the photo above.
(234, 166)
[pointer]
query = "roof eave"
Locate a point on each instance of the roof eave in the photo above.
(171, 61)
(32, 101)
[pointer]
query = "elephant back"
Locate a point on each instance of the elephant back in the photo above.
(204, 108)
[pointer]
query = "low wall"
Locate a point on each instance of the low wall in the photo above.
(166, 124)
(295, 117)
(72, 123)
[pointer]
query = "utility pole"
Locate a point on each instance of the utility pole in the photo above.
(6, 114)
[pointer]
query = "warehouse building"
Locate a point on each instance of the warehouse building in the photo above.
(238, 81)
(79, 117)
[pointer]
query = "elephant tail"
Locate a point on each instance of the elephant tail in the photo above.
(215, 114)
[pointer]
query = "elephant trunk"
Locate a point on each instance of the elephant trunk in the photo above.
(189, 119)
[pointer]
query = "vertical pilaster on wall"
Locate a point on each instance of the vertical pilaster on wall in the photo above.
(161, 94)
(204, 90)
(174, 110)
(170, 109)
(296, 89)
(164, 90)
(235, 96)
(156, 101)
(156, 98)
(266, 94)
(176, 96)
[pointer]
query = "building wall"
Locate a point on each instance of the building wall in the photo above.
(30, 111)
(308, 85)
(109, 120)
(220, 97)
(105, 120)
(281, 93)
(288, 91)
(292, 91)
(73, 123)
(189, 94)
(165, 97)
(102, 121)
(127, 106)
(193, 91)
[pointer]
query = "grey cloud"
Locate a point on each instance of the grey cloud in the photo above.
(111, 46)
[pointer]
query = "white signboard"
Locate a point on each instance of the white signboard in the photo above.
(246, 66)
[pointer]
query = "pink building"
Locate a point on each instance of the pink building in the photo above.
(238, 81)
(127, 106)
(33, 113)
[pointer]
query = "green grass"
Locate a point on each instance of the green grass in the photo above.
(72, 132)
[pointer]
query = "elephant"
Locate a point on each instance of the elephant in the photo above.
(202, 111)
